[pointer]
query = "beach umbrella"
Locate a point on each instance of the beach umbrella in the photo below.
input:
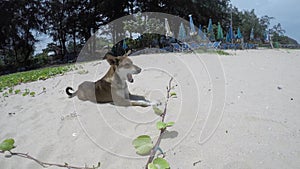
(230, 34)
(252, 34)
(266, 36)
(192, 26)
(169, 33)
(220, 35)
(228, 39)
(209, 27)
(210, 30)
(200, 30)
(181, 33)
(204, 35)
(124, 45)
(200, 33)
(239, 34)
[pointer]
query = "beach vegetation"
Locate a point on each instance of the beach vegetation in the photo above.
(144, 145)
(7, 146)
(11, 80)
(222, 52)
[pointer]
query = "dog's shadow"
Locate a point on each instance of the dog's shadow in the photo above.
(132, 97)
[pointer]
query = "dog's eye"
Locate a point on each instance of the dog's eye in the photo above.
(127, 65)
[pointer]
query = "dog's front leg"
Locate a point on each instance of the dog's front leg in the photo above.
(143, 103)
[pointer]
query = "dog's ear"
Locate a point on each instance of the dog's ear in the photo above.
(112, 60)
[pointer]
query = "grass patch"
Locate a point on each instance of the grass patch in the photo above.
(11, 80)
(211, 51)
(222, 52)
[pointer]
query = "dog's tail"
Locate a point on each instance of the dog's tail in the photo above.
(70, 94)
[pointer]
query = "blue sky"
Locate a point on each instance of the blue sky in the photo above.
(286, 12)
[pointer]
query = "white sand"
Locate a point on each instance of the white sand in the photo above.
(259, 126)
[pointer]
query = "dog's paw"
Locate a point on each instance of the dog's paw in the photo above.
(155, 103)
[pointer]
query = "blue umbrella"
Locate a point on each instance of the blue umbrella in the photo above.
(181, 33)
(239, 34)
(252, 34)
(220, 35)
(230, 34)
(200, 30)
(209, 27)
(210, 30)
(192, 26)
(204, 35)
(200, 33)
(228, 39)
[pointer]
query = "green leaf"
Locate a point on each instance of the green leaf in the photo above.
(157, 110)
(161, 163)
(7, 144)
(173, 94)
(32, 94)
(170, 124)
(17, 91)
(5, 94)
(161, 125)
(142, 144)
(152, 166)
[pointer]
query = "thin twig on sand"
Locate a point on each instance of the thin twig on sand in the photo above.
(156, 146)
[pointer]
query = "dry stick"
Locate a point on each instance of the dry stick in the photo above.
(44, 164)
(154, 149)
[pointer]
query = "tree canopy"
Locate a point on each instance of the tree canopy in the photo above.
(70, 23)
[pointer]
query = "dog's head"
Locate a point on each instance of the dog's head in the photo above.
(123, 66)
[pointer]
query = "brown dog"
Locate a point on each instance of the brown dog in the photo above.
(112, 87)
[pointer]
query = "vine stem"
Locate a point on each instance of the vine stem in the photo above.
(155, 148)
(45, 164)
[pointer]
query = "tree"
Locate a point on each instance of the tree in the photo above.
(18, 21)
(278, 29)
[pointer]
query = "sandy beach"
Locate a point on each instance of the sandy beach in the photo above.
(237, 111)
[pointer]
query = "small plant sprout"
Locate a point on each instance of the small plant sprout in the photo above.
(32, 94)
(161, 125)
(26, 92)
(10, 90)
(17, 91)
(7, 145)
(144, 145)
